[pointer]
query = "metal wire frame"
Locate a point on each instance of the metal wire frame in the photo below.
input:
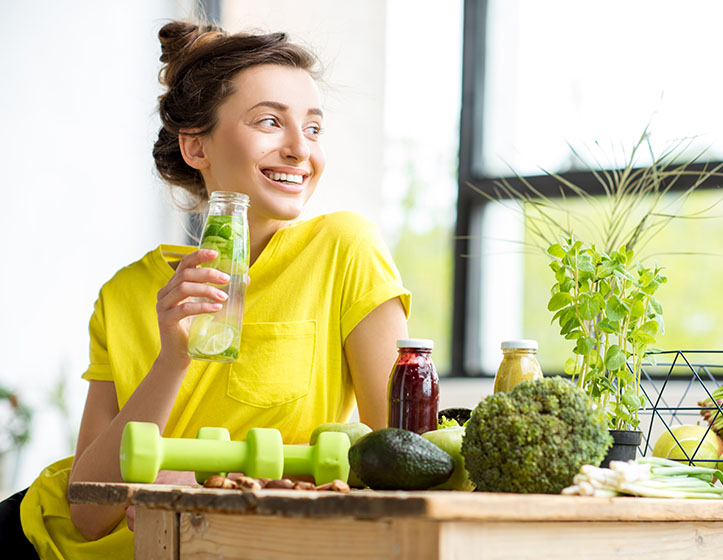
(700, 375)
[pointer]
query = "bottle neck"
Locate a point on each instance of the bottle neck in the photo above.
(419, 351)
(518, 351)
(226, 202)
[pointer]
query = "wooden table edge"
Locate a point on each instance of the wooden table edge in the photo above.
(368, 504)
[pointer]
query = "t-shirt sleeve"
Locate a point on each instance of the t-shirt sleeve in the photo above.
(99, 369)
(371, 278)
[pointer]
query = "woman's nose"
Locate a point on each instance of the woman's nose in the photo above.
(296, 145)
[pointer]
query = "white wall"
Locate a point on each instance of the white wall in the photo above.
(349, 38)
(80, 199)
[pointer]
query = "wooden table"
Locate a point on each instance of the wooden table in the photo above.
(183, 522)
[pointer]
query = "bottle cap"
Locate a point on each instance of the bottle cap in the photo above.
(526, 344)
(415, 343)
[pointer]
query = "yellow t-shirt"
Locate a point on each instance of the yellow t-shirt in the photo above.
(312, 284)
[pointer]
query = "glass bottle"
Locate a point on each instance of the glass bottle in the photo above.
(413, 391)
(216, 337)
(519, 363)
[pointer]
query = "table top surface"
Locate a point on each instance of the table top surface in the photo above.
(369, 504)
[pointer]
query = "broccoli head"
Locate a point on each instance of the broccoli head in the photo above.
(535, 438)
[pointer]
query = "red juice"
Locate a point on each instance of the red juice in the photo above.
(413, 391)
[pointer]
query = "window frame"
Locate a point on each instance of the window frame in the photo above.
(470, 180)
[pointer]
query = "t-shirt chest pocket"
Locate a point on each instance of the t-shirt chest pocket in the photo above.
(275, 363)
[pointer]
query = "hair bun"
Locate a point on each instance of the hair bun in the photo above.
(180, 37)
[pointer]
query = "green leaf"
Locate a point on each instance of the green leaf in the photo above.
(556, 251)
(614, 358)
(645, 275)
(567, 284)
(586, 307)
(608, 326)
(555, 266)
(570, 366)
(574, 334)
(615, 308)
(558, 301)
(661, 325)
(584, 345)
(655, 304)
(649, 327)
(621, 412)
(584, 263)
(571, 324)
(642, 337)
(607, 268)
(604, 289)
(624, 275)
(637, 309)
(631, 399)
(560, 273)
(624, 376)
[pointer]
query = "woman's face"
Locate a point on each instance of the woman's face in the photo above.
(266, 141)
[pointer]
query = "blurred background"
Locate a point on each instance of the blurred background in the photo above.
(530, 79)
(82, 199)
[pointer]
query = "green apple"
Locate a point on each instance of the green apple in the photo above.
(450, 440)
(355, 431)
(689, 437)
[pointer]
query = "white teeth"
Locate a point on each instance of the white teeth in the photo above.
(289, 177)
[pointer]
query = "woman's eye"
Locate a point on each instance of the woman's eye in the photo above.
(269, 121)
(313, 130)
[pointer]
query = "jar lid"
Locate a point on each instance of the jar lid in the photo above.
(519, 344)
(415, 343)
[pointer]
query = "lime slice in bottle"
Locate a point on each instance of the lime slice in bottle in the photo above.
(199, 326)
(215, 340)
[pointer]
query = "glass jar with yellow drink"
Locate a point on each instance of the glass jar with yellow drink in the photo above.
(519, 363)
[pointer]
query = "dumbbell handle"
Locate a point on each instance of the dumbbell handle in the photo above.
(182, 454)
(298, 459)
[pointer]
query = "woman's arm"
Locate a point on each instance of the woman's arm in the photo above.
(97, 453)
(371, 350)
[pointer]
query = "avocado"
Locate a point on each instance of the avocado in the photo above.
(396, 459)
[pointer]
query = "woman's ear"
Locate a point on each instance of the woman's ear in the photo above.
(192, 150)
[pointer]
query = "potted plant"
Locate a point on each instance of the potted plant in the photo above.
(602, 297)
(606, 304)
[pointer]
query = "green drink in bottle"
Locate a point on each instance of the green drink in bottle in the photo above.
(216, 337)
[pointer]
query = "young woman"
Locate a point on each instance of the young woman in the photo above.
(323, 311)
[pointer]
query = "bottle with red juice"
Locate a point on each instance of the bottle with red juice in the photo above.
(413, 391)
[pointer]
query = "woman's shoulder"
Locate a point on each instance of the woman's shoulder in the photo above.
(342, 224)
(150, 269)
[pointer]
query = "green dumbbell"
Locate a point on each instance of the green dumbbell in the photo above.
(217, 434)
(326, 461)
(143, 452)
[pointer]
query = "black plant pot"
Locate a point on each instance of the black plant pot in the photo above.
(625, 446)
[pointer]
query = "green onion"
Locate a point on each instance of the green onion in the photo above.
(650, 477)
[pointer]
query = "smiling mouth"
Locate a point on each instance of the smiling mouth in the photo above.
(285, 178)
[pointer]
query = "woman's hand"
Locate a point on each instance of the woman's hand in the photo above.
(175, 304)
(164, 477)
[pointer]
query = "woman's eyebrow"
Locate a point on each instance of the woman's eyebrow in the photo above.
(283, 108)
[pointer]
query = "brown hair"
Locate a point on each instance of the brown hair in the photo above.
(200, 62)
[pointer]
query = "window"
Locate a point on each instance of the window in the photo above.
(543, 79)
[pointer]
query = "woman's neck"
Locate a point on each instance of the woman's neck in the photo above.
(260, 233)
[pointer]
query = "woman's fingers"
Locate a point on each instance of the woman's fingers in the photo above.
(131, 517)
(187, 309)
(185, 290)
(187, 271)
